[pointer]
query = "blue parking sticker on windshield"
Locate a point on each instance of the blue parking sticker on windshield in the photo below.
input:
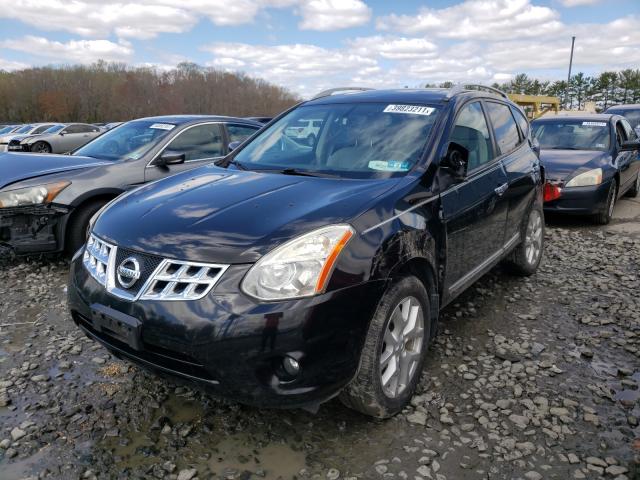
(389, 166)
(410, 109)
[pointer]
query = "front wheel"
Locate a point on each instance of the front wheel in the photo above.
(78, 225)
(41, 147)
(604, 217)
(526, 257)
(393, 353)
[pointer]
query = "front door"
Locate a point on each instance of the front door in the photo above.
(200, 144)
(474, 211)
(624, 161)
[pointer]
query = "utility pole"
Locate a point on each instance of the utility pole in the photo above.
(573, 41)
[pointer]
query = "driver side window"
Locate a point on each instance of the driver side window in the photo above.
(198, 143)
(472, 132)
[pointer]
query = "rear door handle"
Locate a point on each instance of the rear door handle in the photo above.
(501, 189)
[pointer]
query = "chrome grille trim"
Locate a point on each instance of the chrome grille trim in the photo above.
(172, 280)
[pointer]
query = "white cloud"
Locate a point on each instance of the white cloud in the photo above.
(75, 51)
(477, 19)
(393, 48)
(9, 65)
(577, 3)
(326, 15)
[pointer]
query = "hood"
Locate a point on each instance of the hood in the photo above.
(15, 167)
(22, 136)
(217, 215)
(6, 137)
(561, 164)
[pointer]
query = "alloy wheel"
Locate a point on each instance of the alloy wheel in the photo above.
(402, 347)
(533, 237)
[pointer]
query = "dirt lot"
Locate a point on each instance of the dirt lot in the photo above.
(535, 378)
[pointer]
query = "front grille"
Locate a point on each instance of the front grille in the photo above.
(157, 278)
(175, 362)
(148, 264)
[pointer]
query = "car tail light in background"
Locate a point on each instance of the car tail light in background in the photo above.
(551, 192)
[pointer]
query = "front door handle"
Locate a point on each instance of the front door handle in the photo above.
(501, 189)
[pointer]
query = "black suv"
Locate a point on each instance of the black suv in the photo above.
(290, 273)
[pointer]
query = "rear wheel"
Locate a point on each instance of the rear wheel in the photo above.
(604, 217)
(78, 224)
(635, 190)
(41, 147)
(526, 257)
(393, 353)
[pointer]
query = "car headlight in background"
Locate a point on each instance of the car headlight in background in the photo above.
(37, 195)
(300, 267)
(586, 179)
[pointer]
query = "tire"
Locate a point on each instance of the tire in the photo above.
(41, 147)
(77, 228)
(634, 191)
(311, 140)
(604, 217)
(526, 257)
(367, 393)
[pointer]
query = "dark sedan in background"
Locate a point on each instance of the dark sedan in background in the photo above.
(630, 112)
(590, 161)
(46, 201)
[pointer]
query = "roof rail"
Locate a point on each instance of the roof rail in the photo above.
(331, 91)
(474, 86)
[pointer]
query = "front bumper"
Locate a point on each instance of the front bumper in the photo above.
(32, 228)
(580, 200)
(234, 346)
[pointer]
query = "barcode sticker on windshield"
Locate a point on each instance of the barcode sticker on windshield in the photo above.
(594, 124)
(411, 109)
(163, 126)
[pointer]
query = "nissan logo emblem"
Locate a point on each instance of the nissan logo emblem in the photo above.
(128, 272)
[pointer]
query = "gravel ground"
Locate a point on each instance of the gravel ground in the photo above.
(528, 379)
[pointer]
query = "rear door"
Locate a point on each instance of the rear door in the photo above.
(520, 163)
(473, 211)
(201, 144)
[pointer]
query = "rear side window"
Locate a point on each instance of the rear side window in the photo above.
(74, 129)
(504, 126)
(471, 131)
(522, 121)
(238, 133)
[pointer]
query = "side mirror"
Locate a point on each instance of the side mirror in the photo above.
(630, 146)
(61, 134)
(456, 161)
(171, 159)
(234, 145)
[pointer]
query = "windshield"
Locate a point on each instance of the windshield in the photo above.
(54, 129)
(129, 140)
(572, 135)
(633, 116)
(8, 129)
(24, 129)
(359, 140)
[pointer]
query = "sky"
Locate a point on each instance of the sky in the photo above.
(309, 45)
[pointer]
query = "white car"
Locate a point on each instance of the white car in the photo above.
(25, 130)
(304, 131)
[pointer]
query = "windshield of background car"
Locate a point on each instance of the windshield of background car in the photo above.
(573, 135)
(359, 140)
(632, 116)
(129, 140)
(8, 129)
(24, 129)
(54, 129)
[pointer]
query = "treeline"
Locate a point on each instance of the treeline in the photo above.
(108, 92)
(606, 89)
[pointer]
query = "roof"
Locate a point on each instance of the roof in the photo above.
(182, 119)
(408, 95)
(635, 106)
(586, 117)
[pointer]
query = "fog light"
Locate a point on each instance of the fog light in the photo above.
(291, 366)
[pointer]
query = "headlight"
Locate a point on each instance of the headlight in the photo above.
(586, 179)
(39, 194)
(300, 267)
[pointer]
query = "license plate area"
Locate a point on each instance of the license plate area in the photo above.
(118, 325)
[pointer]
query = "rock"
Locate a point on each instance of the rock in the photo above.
(17, 433)
(596, 461)
(616, 470)
(532, 475)
(573, 458)
(11, 452)
(99, 361)
(519, 420)
(333, 474)
(187, 474)
(417, 417)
